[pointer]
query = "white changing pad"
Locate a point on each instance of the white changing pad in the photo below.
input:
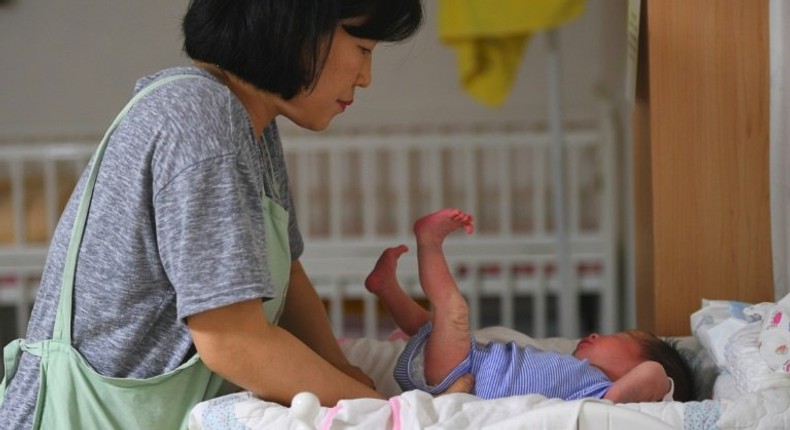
(419, 410)
(414, 409)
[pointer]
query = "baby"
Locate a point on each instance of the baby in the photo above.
(630, 366)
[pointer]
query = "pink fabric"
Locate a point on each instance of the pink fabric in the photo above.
(330, 416)
(344, 340)
(395, 405)
(398, 334)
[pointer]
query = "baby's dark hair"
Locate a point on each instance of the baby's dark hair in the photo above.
(665, 353)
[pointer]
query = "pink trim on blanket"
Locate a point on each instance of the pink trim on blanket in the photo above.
(330, 415)
(344, 340)
(398, 334)
(395, 405)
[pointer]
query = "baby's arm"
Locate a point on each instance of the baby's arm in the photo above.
(647, 382)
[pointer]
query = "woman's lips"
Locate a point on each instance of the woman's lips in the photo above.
(344, 104)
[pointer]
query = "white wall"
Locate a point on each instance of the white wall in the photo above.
(67, 66)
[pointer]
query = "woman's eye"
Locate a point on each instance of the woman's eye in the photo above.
(365, 51)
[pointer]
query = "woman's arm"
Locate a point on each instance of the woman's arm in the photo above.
(305, 317)
(647, 382)
(237, 342)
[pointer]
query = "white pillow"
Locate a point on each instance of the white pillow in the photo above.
(752, 350)
(744, 362)
(715, 322)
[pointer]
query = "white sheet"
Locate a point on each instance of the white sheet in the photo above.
(418, 410)
(414, 409)
(732, 409)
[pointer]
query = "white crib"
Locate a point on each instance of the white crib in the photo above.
(357, 192)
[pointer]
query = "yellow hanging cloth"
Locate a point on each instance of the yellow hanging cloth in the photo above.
(489, 36)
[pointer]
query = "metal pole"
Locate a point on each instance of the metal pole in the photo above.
(569, 295)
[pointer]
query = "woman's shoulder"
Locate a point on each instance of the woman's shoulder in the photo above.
(197, 105)
(198, 93)
(194, 77)
(185, 122)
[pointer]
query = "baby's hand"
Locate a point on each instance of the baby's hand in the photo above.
(647, 382)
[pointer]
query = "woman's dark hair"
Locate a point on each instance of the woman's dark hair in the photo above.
(280, 45)
(665, 353)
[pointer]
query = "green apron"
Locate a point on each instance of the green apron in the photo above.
(73, 395)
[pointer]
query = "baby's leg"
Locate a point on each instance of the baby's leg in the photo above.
(383, 282)
(449, 343)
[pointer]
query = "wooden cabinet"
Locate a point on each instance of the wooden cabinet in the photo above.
(701, 180)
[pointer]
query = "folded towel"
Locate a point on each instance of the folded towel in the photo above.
(489, 36)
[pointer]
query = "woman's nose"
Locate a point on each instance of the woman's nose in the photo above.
(365, 74)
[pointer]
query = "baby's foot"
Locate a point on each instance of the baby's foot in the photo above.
(431, 229)
(384, 273)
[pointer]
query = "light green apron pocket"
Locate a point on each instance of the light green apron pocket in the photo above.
(73, 395)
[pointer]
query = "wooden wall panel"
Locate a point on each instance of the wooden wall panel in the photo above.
(701, 135)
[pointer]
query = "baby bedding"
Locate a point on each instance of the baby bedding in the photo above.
(725, 401)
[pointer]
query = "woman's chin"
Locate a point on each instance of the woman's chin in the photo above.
(315, 125)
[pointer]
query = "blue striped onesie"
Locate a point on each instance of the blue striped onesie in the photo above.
(505, 369)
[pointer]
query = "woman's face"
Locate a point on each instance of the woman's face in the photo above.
(347, 66)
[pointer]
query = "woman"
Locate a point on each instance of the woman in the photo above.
(191, 224)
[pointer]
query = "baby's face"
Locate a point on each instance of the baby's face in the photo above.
(615, 354)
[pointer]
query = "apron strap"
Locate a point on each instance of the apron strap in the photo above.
(62, 330)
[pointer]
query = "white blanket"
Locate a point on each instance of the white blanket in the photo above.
(418, 410)
(764, 410)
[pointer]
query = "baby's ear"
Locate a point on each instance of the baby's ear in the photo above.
(668, 395)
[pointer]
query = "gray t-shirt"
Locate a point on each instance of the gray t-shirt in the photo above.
(175, 228)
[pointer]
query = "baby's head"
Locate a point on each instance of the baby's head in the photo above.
(616, 354)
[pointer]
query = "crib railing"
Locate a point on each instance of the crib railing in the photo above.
(370, 186)
(357, 193)
(360, 193)
(35, 183)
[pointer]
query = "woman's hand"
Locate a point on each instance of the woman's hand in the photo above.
(237, 342)
(357, 373)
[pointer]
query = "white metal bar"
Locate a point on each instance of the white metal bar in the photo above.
(472, 180)
(351, 192)
(573, 196)
(505, 179)
(403, 200)
(50, 195)
(507, 296)
(369, 185)
(609, 224)
(539, 302)
(540, 190)
(432, 164)
(569, 296)
(337, 165)
(18, 200)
